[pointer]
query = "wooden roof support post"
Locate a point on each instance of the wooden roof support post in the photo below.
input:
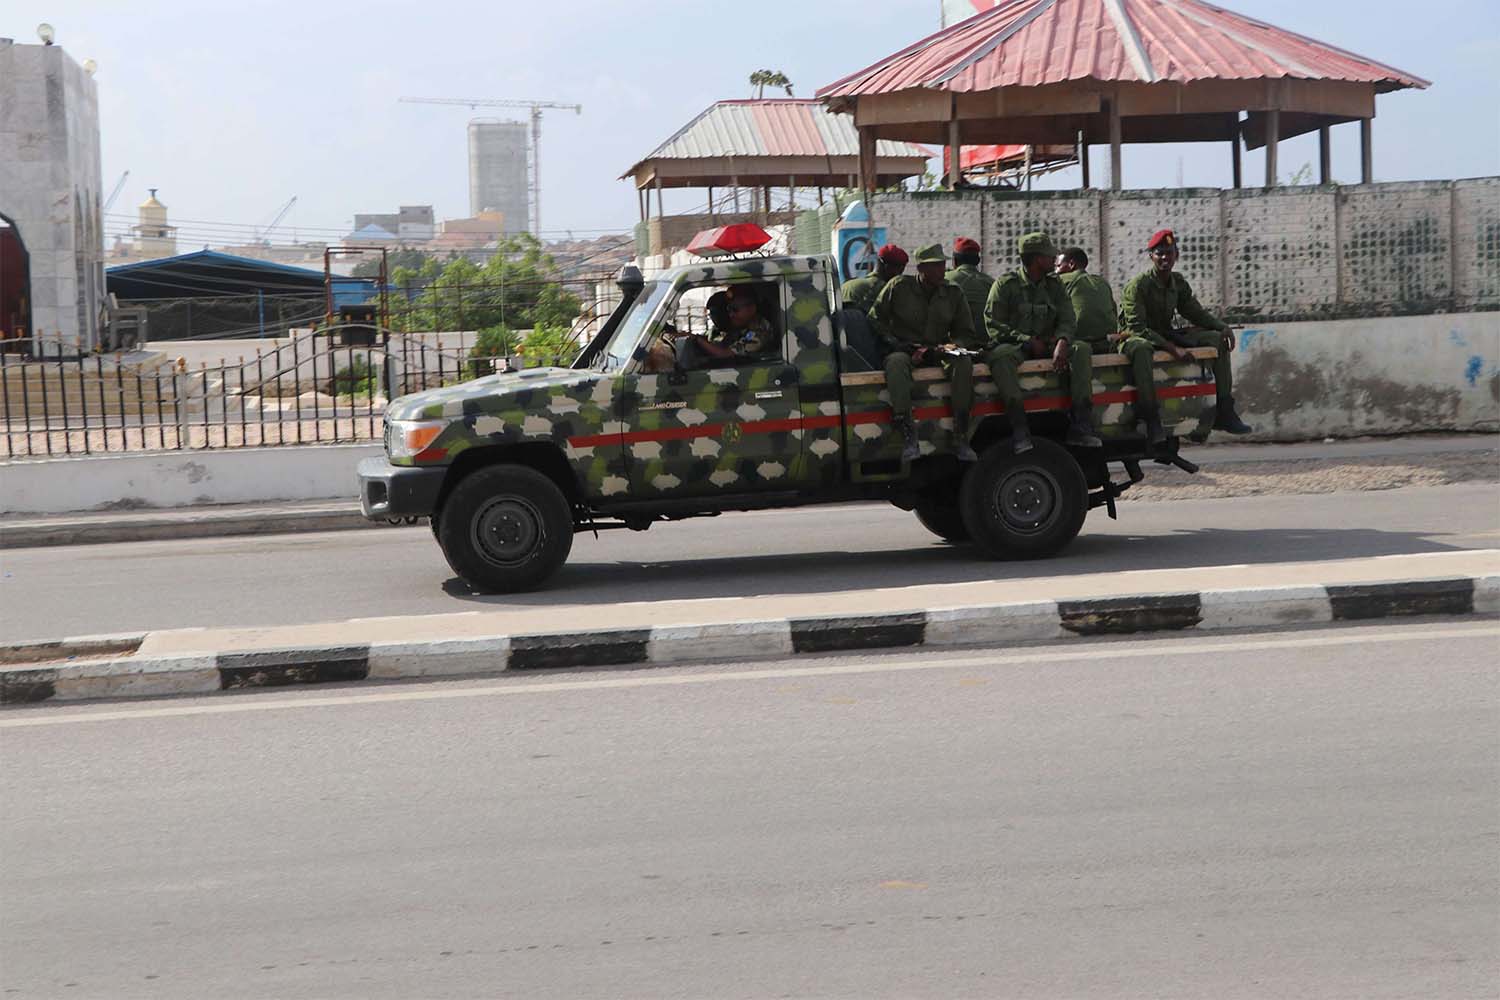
(1114, 144)
(1273, 138)
(955, 155)
(1366, 152)
(640, 198)
(1234, 152)
(660, 209)
(1325, 157)
(869, 178)
(1083, 159)
(791, 193)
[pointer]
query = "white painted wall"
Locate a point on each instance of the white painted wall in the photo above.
(182, 479)
(1389, 375)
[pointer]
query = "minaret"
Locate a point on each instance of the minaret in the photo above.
(153, 237)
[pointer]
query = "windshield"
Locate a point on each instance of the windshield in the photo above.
(627, 336)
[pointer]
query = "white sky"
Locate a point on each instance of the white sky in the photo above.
(231, 109)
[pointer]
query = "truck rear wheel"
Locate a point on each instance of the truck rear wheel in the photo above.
(940, 514)
(1024, 506)
(505, 528)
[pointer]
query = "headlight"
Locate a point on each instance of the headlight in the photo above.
(408, 438)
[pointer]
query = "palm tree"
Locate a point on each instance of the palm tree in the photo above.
(763, 78)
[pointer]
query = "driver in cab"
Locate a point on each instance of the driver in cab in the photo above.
(743, 334)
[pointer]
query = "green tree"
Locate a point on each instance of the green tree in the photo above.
(493, 342)
(763, 78)
(369, 267)
(518, 287)
(549, 345)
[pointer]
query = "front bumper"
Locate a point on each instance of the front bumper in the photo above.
(387, 490)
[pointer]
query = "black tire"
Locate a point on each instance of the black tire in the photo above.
(940, 514)
(505, 528)
(1024, 506)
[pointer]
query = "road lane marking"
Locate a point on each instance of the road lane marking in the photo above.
(1051, 654)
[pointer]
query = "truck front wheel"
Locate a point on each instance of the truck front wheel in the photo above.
(1024, 506)
(505, 528)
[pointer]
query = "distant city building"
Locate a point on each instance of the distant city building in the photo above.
(499, 175)
(410, 224)
(153, 236)
(51, 266)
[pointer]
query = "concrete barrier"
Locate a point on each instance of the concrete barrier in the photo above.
(1390, 375)
(181, 479)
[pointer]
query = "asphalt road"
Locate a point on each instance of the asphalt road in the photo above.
(296, 579)
(1311, 813)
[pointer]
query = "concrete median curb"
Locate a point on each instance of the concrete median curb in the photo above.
(1263, 607)
(102, 528)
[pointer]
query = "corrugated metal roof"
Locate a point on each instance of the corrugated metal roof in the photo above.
(772, 127)
(1028, 43)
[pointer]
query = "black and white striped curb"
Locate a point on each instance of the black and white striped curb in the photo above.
(992, 625)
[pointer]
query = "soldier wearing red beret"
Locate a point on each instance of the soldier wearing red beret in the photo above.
(1151, 302)
(859, 293)
(967, 276)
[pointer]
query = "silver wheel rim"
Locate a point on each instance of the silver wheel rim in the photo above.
(507, 531)
(1028, 501)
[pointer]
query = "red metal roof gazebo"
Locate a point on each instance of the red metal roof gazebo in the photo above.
(1115, 71)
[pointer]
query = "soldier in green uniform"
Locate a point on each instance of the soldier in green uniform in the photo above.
(915, 319)
(1148, 305)
(859, 293)
(1029, 316)
(1094, 311)
(967, 275)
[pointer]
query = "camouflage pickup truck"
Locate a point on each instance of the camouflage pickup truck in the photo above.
(509, 467)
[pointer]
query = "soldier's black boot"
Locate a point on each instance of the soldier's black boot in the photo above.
(910, 450)
(1081, 428)
(1020, 430)
(962, 448)
(1155, 432)
(1226, 419)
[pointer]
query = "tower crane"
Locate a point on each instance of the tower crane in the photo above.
(260, 233)
(536, 136)
(119, 184)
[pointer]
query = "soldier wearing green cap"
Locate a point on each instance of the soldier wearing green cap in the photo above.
(1150, 302)
(1029, 315)
(915, 319)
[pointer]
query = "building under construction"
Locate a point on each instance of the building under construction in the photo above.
(499, 171)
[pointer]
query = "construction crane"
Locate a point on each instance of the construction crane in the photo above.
(119, 185)
(259, 233)
(536, 137)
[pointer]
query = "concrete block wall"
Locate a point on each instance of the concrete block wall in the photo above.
(1395, 250)
(50, 185)
(915, 220)
(1301, 253)
(1071, 218)
(1192, 213)
(1476, 240)
(1278, 252)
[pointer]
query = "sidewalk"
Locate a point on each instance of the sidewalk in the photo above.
(984, 613)
(94, 527)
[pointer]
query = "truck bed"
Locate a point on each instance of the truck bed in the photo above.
(1185, 392)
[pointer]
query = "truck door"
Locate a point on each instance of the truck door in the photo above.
(731, 427)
